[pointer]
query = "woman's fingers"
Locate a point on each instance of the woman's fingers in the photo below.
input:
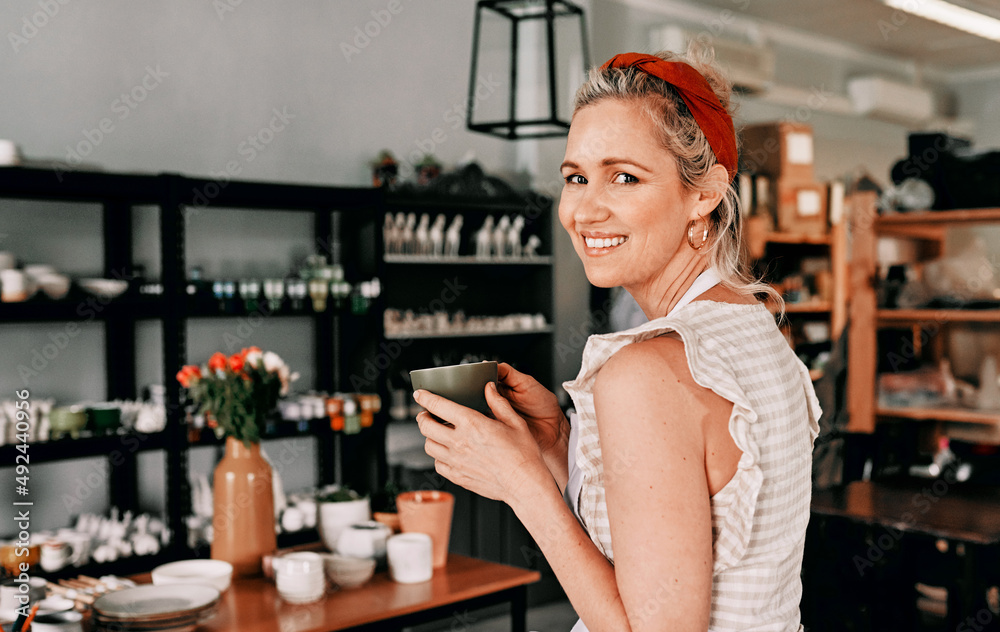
(510, 377)
(432, 428)
(501, 408)
(443, 408)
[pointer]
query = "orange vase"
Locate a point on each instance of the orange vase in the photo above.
(243, 522)
(428, 512)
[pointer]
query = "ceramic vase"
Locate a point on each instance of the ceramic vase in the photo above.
(428, 512)
(243, 518)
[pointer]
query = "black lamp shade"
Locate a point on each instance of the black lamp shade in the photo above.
(528, 57)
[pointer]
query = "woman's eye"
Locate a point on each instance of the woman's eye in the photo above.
(576, 179)
(625, 178)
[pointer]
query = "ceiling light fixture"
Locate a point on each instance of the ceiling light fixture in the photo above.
(951, 15)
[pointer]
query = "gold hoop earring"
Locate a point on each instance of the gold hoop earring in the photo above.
(690, 234)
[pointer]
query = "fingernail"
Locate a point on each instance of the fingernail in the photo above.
(418, 394)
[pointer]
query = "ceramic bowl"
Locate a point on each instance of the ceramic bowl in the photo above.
(67, 420)
(215, 573)
(104, 288)
(55, 286)
(349, 572)
(463, 384)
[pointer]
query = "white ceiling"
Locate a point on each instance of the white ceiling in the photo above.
(871, 25)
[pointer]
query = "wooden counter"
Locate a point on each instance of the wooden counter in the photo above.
(954, 511)
(253, 605)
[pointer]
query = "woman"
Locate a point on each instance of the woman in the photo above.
(687, 468)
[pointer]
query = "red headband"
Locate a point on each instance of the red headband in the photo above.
(712, 118)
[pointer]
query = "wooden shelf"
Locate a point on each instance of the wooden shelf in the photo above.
(943, 413)
(938, 316)
(468, 260)
(470, 334)
(938, 218)
(793, 238)
(812, 307)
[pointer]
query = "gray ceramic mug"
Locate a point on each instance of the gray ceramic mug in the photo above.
(463, 384)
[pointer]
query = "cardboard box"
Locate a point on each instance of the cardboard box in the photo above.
(778, 150)
(800, 208)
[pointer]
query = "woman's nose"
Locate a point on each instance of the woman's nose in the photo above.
(591, 207)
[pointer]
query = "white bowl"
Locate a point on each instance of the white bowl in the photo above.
(105, 288)
(214, 573)
(349, 572)
(54, 285)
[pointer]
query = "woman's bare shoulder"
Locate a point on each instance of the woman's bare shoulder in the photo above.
(723, 294)
(655, 368)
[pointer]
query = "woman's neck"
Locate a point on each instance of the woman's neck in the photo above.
(658, 295)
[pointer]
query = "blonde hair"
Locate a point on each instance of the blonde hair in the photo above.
(680, 134)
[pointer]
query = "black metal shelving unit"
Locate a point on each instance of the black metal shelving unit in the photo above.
(351, 211)
(486, 287)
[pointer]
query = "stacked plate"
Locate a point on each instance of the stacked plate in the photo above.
(172, 608)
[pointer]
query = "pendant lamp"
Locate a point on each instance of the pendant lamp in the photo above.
(528, 58)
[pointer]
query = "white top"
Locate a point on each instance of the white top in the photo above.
(759, 518)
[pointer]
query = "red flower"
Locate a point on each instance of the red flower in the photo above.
(236, 362)
(187, 373)
(217, 362)
(244, 352)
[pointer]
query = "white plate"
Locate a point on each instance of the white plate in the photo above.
(214, 573)
(155, 601)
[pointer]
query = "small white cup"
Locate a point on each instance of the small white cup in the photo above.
(9, 153)
(14, 286)
(300, 577)
(410, 557)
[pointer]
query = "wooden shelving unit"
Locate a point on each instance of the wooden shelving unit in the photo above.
(831, 245)
(928, 229)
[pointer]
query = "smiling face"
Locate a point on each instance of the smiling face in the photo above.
(623, 204)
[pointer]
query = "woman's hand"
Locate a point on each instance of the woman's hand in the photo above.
(536, 404)
(496, 458)
(538, 407)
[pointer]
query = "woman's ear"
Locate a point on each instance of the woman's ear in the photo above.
(716, 185)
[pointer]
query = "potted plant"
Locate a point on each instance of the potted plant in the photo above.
(337, 509)
(236, 394)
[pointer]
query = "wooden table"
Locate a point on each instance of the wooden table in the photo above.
(934, 508)
(465, 584)
(870, 544)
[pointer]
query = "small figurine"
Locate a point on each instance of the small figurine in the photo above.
(437, 236)
(484, 237)
(408, 240)
(531, 248)
(513, 248)
(423, 242)
(388, 237)
(453, 237)
(397, 234)
(500, 236)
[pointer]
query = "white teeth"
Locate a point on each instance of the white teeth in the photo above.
(605, 242)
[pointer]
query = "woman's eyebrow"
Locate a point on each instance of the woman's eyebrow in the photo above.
(607, 162)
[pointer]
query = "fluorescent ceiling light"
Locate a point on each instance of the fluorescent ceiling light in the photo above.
(951, 15)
